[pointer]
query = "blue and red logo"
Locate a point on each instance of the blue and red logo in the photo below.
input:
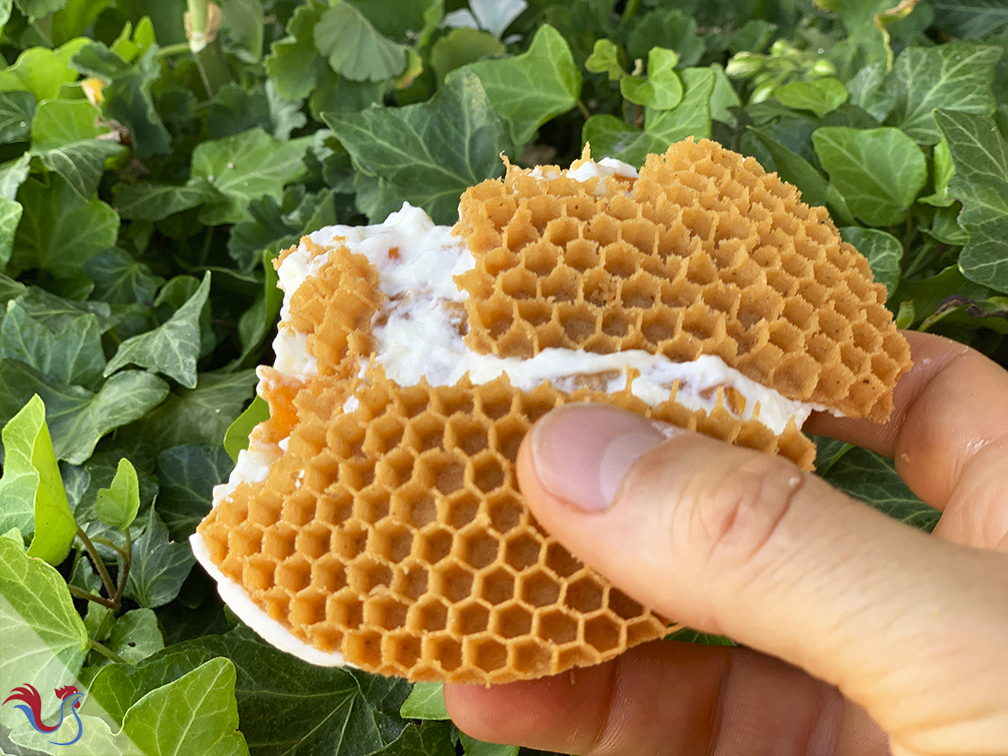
(32, 708)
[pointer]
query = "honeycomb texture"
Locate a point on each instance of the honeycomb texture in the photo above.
(391, 529)
(395, 533)
(706, 254)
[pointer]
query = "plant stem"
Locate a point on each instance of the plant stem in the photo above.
(584, 110)
(204, 20)
(82, 594)
(179, 49)
(127, 555)
(908, 233)
(106, 652)
(98, 563)
(629, 10)
(198, 21)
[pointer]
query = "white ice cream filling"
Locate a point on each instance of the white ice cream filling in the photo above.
(420, 331)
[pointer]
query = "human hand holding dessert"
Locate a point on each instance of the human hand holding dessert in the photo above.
(860, 633)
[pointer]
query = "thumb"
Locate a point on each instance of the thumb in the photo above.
(733, 541)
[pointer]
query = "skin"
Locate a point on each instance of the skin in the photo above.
(859, 634)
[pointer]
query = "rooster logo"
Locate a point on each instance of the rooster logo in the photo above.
(32, 708)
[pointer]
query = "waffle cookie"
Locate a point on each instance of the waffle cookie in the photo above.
(375, 519)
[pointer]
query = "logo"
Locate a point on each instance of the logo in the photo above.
(32, 708)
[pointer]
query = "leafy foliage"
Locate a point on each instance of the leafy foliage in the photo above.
(35, 501)
(145, 191)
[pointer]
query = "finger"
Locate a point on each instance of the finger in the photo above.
(733, 541)
(669, 697)
(950, 406)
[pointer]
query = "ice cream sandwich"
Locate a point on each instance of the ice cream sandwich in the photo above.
(375, 518)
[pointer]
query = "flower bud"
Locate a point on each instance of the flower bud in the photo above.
(822, 67)
(744, 64)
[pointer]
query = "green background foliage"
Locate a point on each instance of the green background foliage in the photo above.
(145, 190)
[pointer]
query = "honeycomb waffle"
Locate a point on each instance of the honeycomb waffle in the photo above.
(705, 254)
(395, 535)
(384, 528)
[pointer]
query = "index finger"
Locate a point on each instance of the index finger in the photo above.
(951, 406)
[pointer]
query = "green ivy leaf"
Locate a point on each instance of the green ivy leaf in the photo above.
(78, 417)
(72, 355)
(145, 201)
(116, 687)
(237, 436)
(247, 166)
(821, 96)
(32, 497)
(44, 638)
(473, 747)
(12, 175)
(873, 479)
(120, 279)
(258, 320)
(878, 171)
(670, 29)
(427, 154)
(197, 416)
(605, 58)
(637, 89)
(867, 40)
(610, 136)
(10, 217)
(160, 565)
(980, 155)
(294, 64)
(867, 91)
(354, 47)
(285, 704)
(60, 230)
(129, 44)
(534, 87)
(66, 139)
(955, 76)
(668, 88)
(943, 172)
(429, 738)
(56, 313)
(236, 109)
(127, 95)
(16, 112)
(243, 28)
(173, 347)
(970, 18)
(99, 472)
(117, 505)
(460, 47)
(272, 226)
(42, 72)
(36, 9)
(188, 474)
(74, 19)
(691, 117)
(197, 713)
(135, 636)
(927, 294)
(98, 621)
(425, 701)
(884, 253)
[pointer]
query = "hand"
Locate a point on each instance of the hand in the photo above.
(860, 633)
